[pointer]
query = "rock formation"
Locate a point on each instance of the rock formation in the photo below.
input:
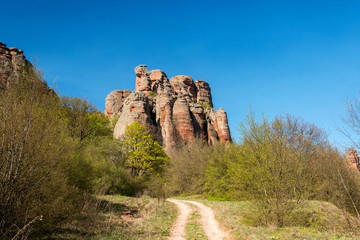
(180, 109)
(11, 59)
(352, 158)
(114, 102)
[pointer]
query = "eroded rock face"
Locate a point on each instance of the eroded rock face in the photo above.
(203, 93)
(180, 109)
(352, 158)
(183, 120)
(135, 108)
(184, 86)
(218, 119)
(114, 102)
(11, 60)
(199, 121)
(143, 83)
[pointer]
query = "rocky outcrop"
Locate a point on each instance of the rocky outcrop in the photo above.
(11, 60)
(180, 109)
(114, 102)
(352, 158)
(183, 120)
(184, 86)
(218, 119)
(203, 93)
(135, 108)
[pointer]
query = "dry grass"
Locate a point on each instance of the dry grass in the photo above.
(120, 217)
(315, 220)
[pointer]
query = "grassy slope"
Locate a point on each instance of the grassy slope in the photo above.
(123, 218)
(142, 218)
(322, 220)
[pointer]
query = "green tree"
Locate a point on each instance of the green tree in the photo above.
(276, 164)
(144, 156)
(83, 120)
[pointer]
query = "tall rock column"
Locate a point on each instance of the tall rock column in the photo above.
(143, 83)
(183, 121)
(203, 93)
(218, 120)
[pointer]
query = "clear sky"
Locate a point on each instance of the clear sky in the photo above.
(296, 57)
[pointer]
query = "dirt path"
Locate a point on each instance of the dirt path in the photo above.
(208, 221)
(178, 232)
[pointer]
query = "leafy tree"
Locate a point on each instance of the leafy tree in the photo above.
(83, 119)
(276, 163)
(144, 156)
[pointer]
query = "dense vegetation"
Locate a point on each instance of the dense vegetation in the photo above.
(277, 165)
(57, 154)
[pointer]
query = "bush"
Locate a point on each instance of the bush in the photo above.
(33, 146)
(187, 167)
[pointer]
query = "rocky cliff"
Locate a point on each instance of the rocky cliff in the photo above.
(352, 158)
(180, 109)
(11, 60)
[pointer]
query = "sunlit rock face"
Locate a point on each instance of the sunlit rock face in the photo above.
(181, 110)
(352, 158)
(11, 60)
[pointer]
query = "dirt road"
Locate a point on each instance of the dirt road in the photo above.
(208, 221)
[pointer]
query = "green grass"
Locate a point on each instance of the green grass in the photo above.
(317, 220)
(120, 217)
(194, 230)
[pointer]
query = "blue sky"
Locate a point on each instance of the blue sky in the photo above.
(296, 57)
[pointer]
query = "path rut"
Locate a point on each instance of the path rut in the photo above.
(208, 221)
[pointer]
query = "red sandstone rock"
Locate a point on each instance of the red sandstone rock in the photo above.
(143, 83)
(164, 122)
(172, 109)
(183, 121)
(218, 119)
(203, 93)
(352, 158)
(11, 59)
(114, 102)
(184, 87)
